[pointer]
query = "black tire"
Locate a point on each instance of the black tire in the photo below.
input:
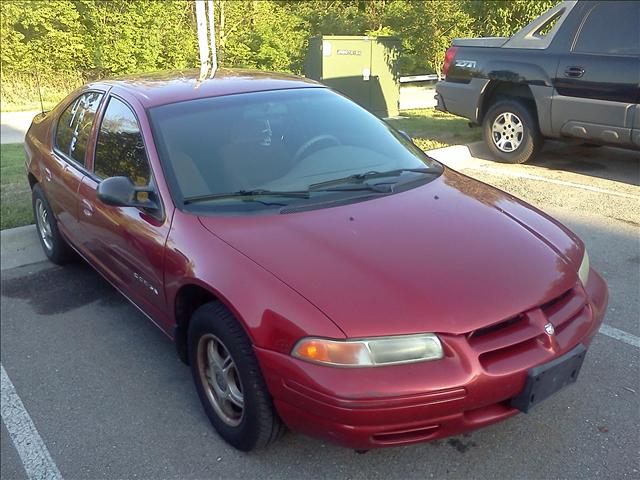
(55, 246)
(259, 424)
(530, 140)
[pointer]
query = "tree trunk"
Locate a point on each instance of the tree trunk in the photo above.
(221, 32)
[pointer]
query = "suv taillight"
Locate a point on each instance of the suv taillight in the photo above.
(448, 58)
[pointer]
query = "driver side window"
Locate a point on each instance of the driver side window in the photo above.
(120, 148)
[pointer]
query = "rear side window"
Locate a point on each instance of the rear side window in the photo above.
(120, 149)
(611, 28)
(74, 126)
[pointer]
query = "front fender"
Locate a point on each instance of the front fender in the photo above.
(272, 313)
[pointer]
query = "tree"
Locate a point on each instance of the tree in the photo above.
(259, 34)
(101, 38)
(426, 29)
(130, 37)
(503, 19)
(47, 36)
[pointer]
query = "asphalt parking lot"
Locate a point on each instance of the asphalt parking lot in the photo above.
(109, 398)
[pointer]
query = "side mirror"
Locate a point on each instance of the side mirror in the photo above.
(406, 136)
(121, 192)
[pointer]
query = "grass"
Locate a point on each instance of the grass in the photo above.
(15, 194)
(431, 128)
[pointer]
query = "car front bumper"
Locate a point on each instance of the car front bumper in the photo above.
(365, 408)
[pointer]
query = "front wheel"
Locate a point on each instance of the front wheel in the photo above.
(511, 132)
(229, 381)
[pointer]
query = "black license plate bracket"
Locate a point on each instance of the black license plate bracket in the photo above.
(546, 379)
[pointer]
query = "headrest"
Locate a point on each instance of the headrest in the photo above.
(250, 130)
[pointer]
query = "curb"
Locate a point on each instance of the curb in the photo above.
(20, 247)
(461, 157)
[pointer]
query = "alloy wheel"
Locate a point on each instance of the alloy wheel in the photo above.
(44, 225)
(507, 132)
(220, 379)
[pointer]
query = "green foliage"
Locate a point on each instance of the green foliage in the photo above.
(426, 29)
(132, 37)
(96, 38)
(260, 34)
(502, 19)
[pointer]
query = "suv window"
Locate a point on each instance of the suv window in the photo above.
(120, 148)
(74, 126)
(611, 29)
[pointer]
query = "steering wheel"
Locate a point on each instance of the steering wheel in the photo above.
(318, 138)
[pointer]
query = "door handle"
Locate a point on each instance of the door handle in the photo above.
(575, 72)
(47, 174)
(87, 208)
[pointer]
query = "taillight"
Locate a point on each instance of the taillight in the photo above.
(448, 58)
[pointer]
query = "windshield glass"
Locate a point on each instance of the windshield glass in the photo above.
(304, 141)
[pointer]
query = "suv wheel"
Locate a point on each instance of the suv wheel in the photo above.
(229, 381)
(54, 245)
(511, 132)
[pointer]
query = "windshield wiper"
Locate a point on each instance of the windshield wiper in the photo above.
(360, 177)
(355, 188)
(246, 193)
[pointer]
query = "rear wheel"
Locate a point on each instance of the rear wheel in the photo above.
(511, 132)
(54, 245)
(229, 381)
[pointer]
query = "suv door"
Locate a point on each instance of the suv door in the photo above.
(125, 243)
(62, 176)
(597, 81)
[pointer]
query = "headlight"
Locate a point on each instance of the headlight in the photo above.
(583, 271)
(370, 352)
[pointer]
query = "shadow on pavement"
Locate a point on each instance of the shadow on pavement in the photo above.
(616, 164)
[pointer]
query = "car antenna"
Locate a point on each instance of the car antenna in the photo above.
(39, 91)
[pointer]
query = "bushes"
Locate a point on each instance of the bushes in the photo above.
(20, 89)
(67, 41)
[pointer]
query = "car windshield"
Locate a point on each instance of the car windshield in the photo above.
(281, 147)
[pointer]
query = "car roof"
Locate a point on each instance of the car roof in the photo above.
(161, 88)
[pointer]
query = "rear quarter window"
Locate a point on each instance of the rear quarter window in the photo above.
(74, 126)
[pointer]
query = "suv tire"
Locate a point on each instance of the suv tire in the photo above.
(511, 132)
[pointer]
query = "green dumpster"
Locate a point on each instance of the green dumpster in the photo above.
(366, 69)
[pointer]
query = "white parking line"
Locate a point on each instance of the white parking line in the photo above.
(508, 173)
(620, 335)
(35, 457)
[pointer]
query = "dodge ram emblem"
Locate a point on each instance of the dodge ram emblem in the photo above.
(549, 329)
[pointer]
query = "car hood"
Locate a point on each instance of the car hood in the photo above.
(450, 256)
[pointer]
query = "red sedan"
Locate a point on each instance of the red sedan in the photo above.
(313, 267)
